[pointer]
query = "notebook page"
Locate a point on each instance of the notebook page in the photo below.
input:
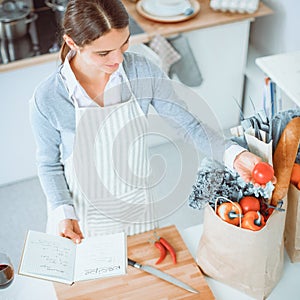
(101, 256)
(48, 257)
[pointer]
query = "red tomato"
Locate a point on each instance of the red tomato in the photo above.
(249, 203)
(262, 173)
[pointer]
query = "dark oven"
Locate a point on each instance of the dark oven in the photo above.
(27, 30)
(31, 28)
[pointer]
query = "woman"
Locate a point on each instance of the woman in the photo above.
(88, 119)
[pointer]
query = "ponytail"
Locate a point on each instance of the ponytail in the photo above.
(64, 50)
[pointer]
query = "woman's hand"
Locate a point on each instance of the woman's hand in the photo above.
(244, 164)
(70, 229)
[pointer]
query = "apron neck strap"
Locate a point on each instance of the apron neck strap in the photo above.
(125, 78)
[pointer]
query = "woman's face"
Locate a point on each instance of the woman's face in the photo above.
(106, 52)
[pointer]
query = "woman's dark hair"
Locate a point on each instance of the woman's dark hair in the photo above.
(85, 21)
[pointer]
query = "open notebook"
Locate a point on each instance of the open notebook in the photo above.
(59, 259)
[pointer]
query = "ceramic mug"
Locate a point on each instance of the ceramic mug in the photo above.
(6, 271)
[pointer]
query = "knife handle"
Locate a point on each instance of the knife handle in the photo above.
(131, 262)
(134, 263)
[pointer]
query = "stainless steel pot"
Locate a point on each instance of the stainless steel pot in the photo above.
(15, 17)
(12, 50)
(16, 29)
(59, 7)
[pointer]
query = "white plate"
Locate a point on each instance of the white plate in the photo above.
(171, 19)
(156, 8)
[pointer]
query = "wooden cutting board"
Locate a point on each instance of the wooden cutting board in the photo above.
(136, 284)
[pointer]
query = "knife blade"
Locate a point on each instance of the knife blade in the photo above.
(161, 275)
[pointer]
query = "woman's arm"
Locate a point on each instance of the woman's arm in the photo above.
(51, 173)
(210, 142)
(152, 86)
(50, 168)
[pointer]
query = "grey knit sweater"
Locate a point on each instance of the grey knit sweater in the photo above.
(52, 115)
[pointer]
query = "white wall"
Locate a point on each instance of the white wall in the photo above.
(273, 34)
(221, 54)
(279, 32)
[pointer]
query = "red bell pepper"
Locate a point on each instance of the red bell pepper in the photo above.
(253, 220)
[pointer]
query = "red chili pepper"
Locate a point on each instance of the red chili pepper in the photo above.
(163, 251)
(169, 248)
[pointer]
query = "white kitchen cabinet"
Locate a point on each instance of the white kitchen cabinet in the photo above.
(221, 54)
(17, 149)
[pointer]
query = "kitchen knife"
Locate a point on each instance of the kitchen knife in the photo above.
(161, 275)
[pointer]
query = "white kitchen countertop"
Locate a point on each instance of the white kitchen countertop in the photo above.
(26, 288)
(284, 70)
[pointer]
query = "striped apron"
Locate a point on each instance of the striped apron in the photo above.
(108, 171)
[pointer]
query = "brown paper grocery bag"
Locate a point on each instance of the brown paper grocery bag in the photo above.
(250, 261)
(260, 148)
(292, 225)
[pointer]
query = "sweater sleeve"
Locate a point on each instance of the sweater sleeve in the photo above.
(48, 157)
